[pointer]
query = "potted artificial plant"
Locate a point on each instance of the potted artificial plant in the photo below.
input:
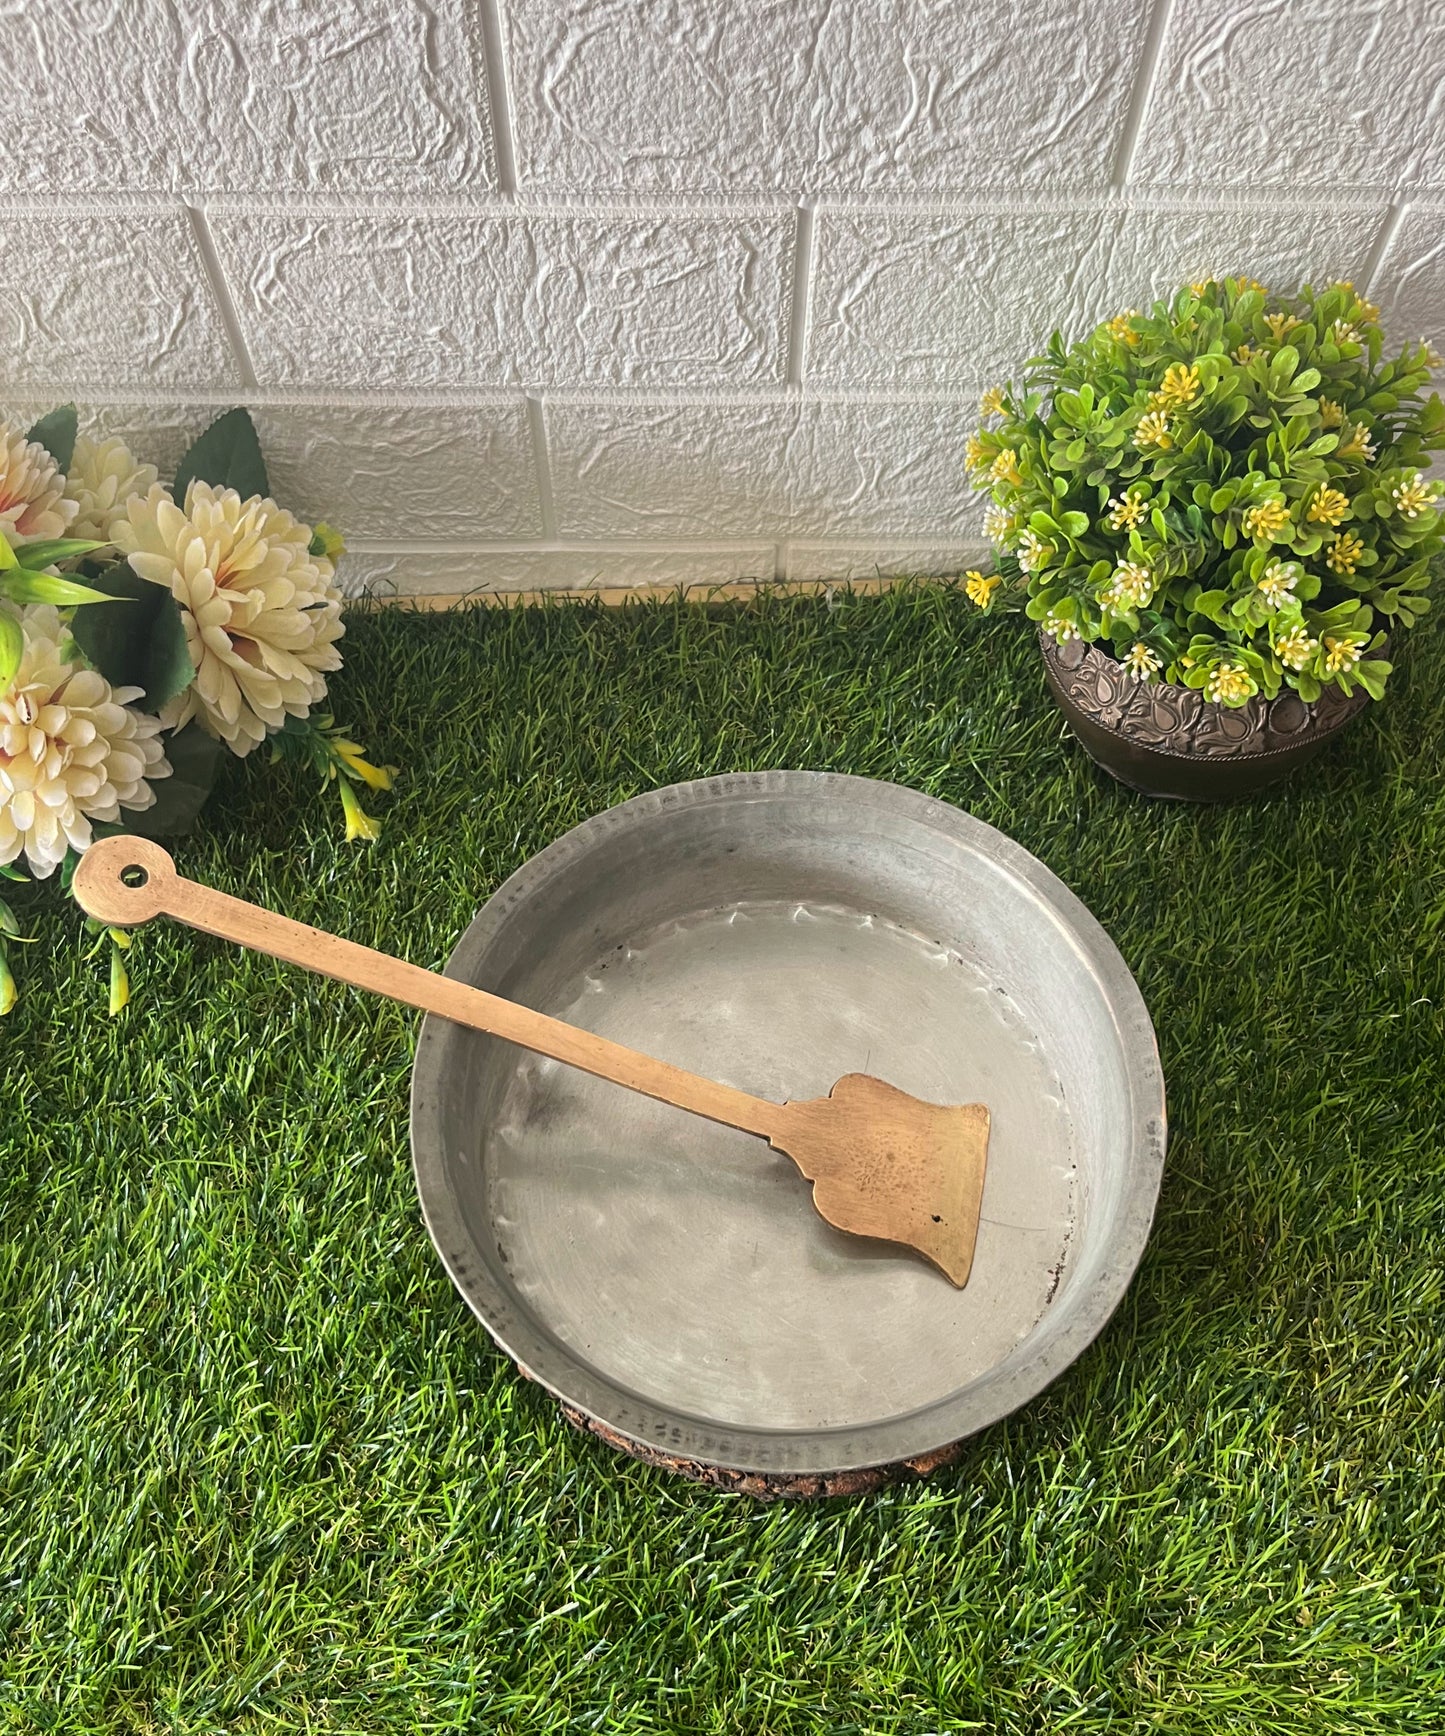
(1217, 512)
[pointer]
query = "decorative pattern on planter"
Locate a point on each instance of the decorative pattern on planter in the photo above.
(1179, 720)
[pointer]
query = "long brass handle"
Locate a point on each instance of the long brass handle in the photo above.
(124, 881)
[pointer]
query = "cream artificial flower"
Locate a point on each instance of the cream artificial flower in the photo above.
(991, 403)
(1281, 325)
(1059, 627)
(261, 613)
(1142, 663)
(1331, 414)
(1277, 582)
(980, 589)
(1125, 511)
(103, 475)
(1340, 654)
(1295, 648)
(32, 490)
(1153, 430)
(1132, 585)
(1006, 467)
(72, 750)
(1359, 444)
(998, 525)
(1178, 388)
(1343, 554)
(1034, 554)
(1270, 520)
(1414, 495)
(1329, 507)
(1229, 684)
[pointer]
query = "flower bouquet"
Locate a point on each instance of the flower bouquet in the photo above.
(144, 630)
(1226, 492)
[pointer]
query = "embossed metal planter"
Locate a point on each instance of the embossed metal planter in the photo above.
(1170, 741)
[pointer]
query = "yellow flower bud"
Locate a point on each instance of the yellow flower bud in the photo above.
(358, 823)
(350, 755)
(119, 982)
(326, 541)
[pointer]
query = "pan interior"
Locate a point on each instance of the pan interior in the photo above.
(684, 1261)
(775, 931)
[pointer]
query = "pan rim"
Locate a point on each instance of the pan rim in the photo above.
(814, 1451)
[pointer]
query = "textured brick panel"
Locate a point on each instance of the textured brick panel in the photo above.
(617, 298)
(929, 299)
(1410, 284)
(423, 573)
(1282, 247)
(1259, 93)
(698, 469)
(145, 95)
(396, 472)
(114, 297)
(809, 94)
(378, 471)
(809, 562)
(921, 298)
(809, 467)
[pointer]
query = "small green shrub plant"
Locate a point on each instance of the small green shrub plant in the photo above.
(1228, 492)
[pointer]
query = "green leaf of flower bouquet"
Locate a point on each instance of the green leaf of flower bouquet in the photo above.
(1212, 605)
(23, 586)
(48, 554)
(1282, 365)
(142, 645)
(227, 455)
(1074, 523)
(1372, 675)
(195, 759)
(1307, 379)
(56, 433)
(12, 648)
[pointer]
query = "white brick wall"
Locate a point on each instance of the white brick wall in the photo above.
(626, 292)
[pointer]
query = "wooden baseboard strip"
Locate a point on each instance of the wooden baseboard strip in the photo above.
(615, 595)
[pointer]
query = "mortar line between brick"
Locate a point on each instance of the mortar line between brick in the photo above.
(1142, 94)
(1389, 228)
(546, 501)
(469, 545)
(802, 295)
(499, 98)
(484, 398)
(221, 290)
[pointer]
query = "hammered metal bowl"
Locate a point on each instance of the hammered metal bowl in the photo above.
(667, 1278)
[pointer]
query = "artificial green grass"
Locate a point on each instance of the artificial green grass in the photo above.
(261, 1471)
